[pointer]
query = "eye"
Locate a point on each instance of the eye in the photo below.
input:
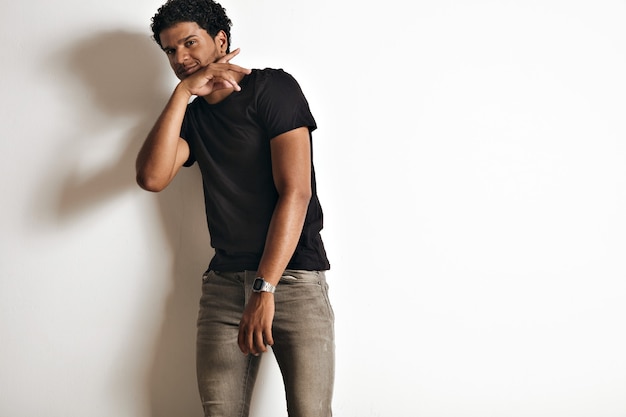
(168, 51)
(190, 43)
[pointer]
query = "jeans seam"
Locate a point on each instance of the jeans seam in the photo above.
(246, 380)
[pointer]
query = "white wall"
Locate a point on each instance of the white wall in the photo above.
(472, 165)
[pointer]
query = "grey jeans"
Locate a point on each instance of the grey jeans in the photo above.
(303, 331)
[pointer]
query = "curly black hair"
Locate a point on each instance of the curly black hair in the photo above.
(209, 15)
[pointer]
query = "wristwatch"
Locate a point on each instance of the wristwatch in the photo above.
(260, 285)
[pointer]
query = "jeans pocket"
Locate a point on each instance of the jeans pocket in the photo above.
(306, 287)
(207, 276)
(302, 276)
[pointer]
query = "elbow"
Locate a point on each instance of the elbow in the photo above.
(150, 183)
(301, 196)
(306, 196)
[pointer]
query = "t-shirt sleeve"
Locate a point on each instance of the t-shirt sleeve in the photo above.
(185, 134)
(282, 105)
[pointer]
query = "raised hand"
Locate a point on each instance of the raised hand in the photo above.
(218, 75)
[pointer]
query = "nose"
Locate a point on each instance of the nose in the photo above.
(180, 56)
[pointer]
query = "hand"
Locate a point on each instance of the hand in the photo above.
(255, 327)
(215, 76)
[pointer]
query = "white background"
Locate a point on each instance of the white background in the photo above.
(471, 160)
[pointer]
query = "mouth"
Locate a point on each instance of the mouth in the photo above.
(187, 71)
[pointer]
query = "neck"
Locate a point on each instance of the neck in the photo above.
(219, 95)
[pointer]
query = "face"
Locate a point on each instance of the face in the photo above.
(190, 48)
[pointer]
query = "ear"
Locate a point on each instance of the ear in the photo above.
(221, 41)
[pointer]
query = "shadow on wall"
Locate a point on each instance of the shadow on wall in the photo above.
(125, 81)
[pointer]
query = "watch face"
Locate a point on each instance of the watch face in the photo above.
(258, 284)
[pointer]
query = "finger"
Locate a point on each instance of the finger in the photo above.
(248, 342)
(227, 67)
(225, 83)
(241, 341)
(228, 56)
(259, 345)
(237, 68)
(227, 79)
(269, 338)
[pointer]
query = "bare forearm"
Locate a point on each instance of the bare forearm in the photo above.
(160, 156)
(283, 235)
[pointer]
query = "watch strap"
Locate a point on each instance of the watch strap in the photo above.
(260, 285)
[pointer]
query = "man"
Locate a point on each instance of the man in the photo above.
(250, 133)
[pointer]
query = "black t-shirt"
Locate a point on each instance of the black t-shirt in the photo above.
(230, 141)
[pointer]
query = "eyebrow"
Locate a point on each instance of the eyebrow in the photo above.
(183, 40)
